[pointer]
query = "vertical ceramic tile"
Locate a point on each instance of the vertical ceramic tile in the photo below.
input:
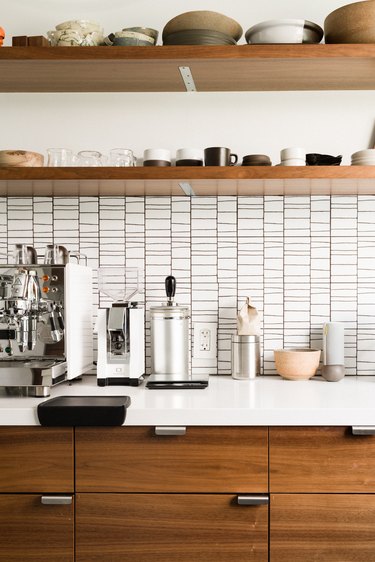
(204, 270)
(227, 280)
(250, 252)
(320, 296)
(42, 223)
(273, 323)
(4, 230)
(20, 221)
(366, 286)
(344, 273)
(158, 257)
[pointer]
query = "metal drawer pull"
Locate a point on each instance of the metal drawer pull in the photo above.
(57, 500)
(363, 429)
(170, 430)
(253, 500)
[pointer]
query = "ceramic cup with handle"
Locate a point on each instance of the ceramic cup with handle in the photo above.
(219, 156)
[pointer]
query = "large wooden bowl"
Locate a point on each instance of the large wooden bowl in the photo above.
(297, 364)
(21, 159)
(353, 23)
(203, 19)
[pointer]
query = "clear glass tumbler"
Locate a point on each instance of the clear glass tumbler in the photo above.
(88, 158)
(59, 157)
(121, 157)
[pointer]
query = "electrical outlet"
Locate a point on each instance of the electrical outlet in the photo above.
(205, 340)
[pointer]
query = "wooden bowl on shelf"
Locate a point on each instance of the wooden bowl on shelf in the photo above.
(353, 23)
(297, 364)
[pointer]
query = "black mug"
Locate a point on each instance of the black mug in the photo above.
(219, 156)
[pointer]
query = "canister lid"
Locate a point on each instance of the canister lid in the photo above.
(245, 339)
(164, 309)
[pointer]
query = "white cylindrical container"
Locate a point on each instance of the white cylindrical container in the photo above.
(170, 340)
(333, 343)
(293, 156)
(245, 357)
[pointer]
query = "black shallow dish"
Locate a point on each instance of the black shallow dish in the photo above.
(68, 411)
(189, 163)
(322, 160)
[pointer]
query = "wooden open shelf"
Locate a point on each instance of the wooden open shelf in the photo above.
(214, 68)
(204, 181)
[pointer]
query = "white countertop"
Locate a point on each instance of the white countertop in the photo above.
(263, 401)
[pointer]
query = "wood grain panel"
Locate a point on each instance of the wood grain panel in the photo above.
(36, 459)
(322, 527)
(206, 459)
(32, 532)
(321, 459)
(169, 528)
(204, 181)
(214, 68)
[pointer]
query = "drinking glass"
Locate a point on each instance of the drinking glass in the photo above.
(89, 158)
(58, 157)
(121, 157)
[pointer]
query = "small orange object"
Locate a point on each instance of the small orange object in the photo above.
(2, 36)
(45, 289)
(45, 277)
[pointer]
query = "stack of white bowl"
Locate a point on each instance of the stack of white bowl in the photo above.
(364, 157)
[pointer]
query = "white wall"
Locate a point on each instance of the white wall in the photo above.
(327, 122)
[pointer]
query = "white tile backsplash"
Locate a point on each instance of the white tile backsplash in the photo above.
(304, 261)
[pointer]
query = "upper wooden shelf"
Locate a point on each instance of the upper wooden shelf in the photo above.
(201, 181)
(214, 68)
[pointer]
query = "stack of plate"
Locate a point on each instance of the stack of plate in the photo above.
(364, 157)
(201, 28)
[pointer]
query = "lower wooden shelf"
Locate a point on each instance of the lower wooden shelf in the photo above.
(187, 181)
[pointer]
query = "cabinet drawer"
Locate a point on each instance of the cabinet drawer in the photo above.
(321, 459)
(169, 528)
(205, 459)
(324, 527)
(36, 459)
(31, 531)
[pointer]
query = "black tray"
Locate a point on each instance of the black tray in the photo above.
(67, 411)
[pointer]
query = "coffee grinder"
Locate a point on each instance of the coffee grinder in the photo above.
(120, 328)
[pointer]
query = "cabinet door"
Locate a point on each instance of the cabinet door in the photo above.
(205, 459)
(31, 531)
(324, 527)
(169, 528)
(321, 459)
(36, 459)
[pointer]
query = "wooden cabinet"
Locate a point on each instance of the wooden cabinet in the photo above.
(322, 504)
(32, 531)
(170, 528)
(324, 527)
(36, 459)
(36, 462)
(180, 503)
(205, 459)
(321, 459)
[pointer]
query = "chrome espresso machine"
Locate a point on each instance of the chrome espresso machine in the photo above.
(45, 321)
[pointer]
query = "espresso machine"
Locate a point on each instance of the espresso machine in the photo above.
(120, 328)
(45, 322)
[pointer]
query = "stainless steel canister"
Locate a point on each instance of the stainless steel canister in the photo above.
(245, 357)
(170, 340)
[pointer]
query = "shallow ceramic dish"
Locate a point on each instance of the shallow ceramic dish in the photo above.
(284, 31)
(203, 19)
(297, 364)
(353, 23)
(145, 31)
